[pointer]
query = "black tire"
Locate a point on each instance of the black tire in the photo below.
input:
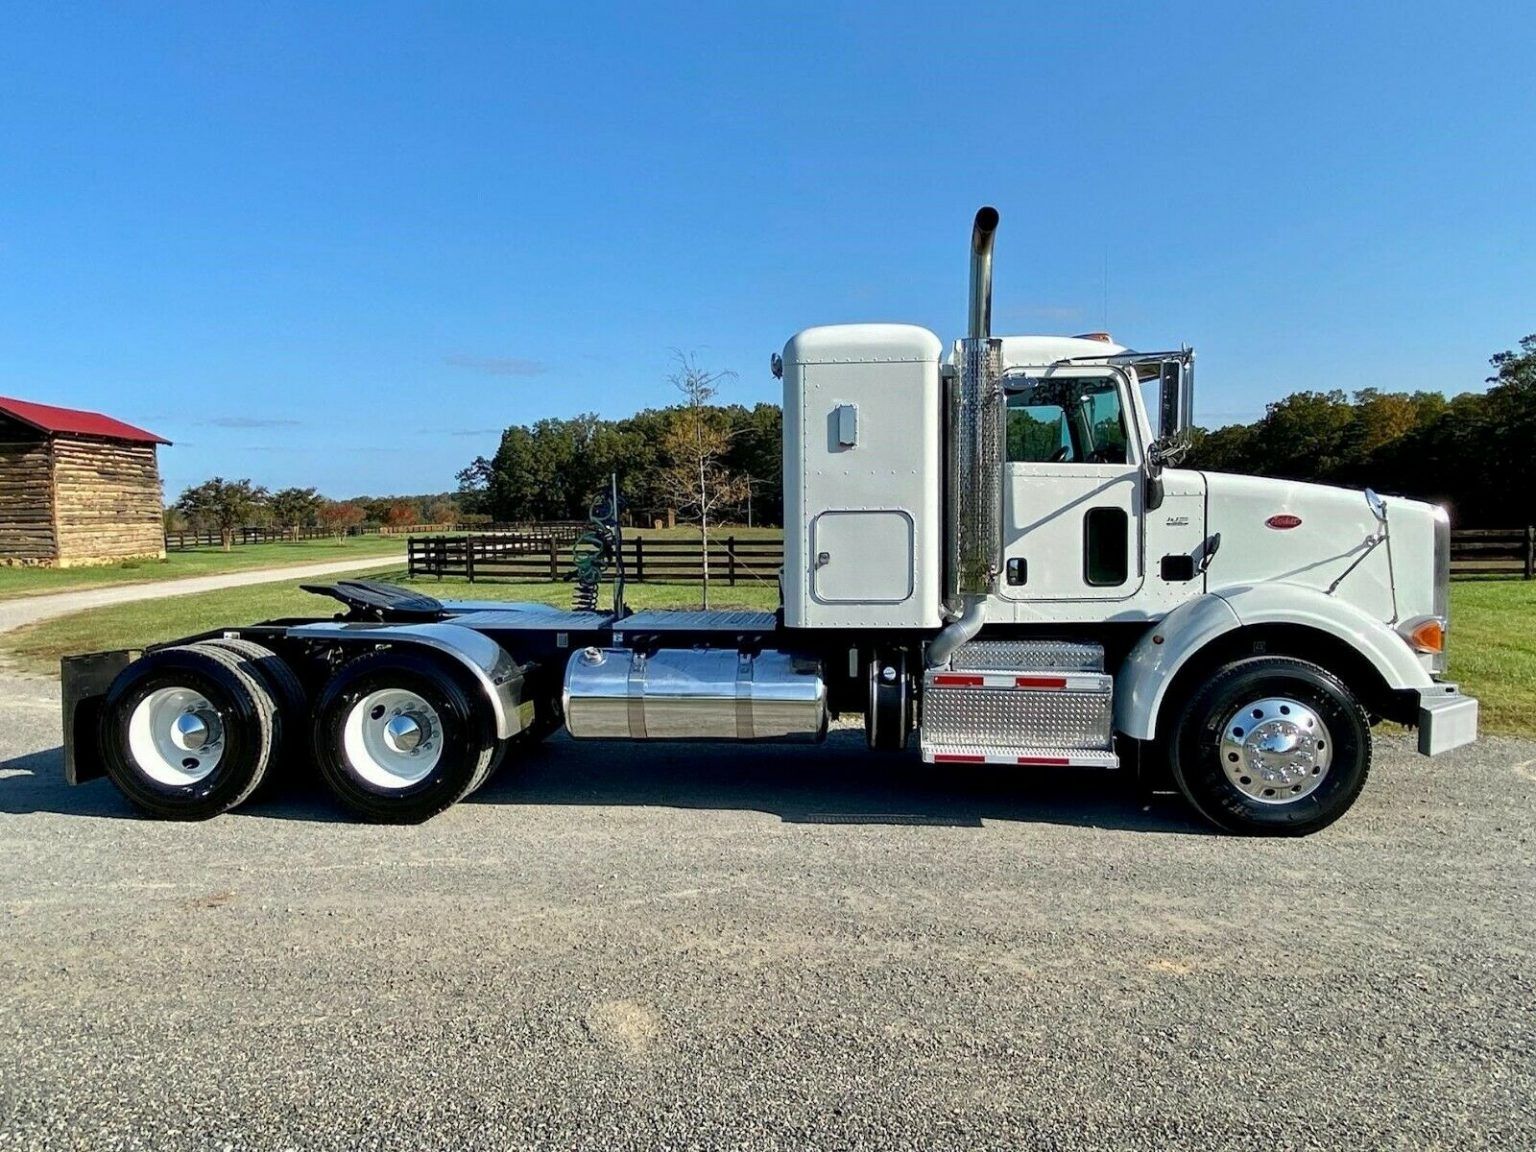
(463, 759)
(1197, 760)
(247, 714)
(286, 689)
(498, 757)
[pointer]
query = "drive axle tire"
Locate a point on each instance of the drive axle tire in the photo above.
(399, 738)
(188, 733)
(1272, 746)
(286, 689)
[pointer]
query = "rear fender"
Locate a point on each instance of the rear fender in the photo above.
(495, 675)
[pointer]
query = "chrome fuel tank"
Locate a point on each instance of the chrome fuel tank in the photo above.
(694, 694)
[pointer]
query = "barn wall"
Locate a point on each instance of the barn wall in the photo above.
(108, 500)
(26, 499)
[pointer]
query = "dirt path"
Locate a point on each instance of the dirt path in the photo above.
(31, 609)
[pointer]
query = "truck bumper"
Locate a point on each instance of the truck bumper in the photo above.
(1447, 719)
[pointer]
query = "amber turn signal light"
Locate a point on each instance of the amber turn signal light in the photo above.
(1427, 635)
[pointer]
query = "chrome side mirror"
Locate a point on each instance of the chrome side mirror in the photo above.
(1377, 505)
(1170, 395)
(1176, 396)
(1175, 410)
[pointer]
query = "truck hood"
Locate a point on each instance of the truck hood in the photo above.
(1311, 534)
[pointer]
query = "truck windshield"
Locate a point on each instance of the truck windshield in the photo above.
(1075, 419)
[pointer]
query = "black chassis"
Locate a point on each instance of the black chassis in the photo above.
(538, 639)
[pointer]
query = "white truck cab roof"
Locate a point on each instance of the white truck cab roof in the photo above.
(1038, 351)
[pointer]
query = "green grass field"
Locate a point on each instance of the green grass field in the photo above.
(1493, 650)
(1493, 627)
(15, 581)
(37, 648)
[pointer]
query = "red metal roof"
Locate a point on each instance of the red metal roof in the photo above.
(71, 421)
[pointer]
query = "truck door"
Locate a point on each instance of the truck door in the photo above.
(1072, 489)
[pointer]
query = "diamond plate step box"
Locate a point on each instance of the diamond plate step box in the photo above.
(1020, 703)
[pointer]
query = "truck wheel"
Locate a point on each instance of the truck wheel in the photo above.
(188, 733)
(399, 739)
(1272, 746)
(285, 688)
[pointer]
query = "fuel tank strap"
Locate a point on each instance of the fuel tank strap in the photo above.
(743, 697)
(637, 697)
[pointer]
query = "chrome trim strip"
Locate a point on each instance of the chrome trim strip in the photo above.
(1442, 589)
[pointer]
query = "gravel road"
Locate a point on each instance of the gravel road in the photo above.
(31, 609)
(767, 948)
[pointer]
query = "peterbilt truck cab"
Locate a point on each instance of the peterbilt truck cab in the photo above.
(991, 554)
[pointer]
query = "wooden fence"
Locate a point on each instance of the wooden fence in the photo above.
(186, 541)
(561, 531)
(514, 556)
(1494, 552)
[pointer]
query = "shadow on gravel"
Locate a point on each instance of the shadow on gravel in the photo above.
(839, 782)
(35, 783)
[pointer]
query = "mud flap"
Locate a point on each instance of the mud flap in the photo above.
(83, 684)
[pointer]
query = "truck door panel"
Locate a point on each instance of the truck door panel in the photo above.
(1076, 531)
(1073, 489)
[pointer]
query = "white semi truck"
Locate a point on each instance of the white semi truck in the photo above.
(989, 553)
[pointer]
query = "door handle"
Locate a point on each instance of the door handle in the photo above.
(823, 559)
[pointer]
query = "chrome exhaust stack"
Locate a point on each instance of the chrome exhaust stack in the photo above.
(983, 233)
(974, 499)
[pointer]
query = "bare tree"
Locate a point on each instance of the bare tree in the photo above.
(694, 445)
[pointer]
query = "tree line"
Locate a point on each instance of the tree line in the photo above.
(697, 461)
(701, 461)
(226, 506)
(1475, 452)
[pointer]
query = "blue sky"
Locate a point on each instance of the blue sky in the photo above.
(344, 245)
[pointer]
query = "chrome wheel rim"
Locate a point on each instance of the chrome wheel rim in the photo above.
(1276, 750)
(392, 738)
(176, 736)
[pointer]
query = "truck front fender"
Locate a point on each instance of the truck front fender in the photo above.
(1142, 683)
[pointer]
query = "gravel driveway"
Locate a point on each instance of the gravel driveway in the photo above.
(31, 609)
(766, 948)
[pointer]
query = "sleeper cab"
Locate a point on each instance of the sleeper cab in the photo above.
(862, 422)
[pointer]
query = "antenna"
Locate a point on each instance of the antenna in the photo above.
(1104, 302)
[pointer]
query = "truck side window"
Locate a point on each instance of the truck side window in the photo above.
(1066, 420)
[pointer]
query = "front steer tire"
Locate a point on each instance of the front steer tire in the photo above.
(188, 733)
(1271, 746)
(399, 737)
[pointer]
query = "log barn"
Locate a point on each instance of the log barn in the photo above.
(76, 487)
